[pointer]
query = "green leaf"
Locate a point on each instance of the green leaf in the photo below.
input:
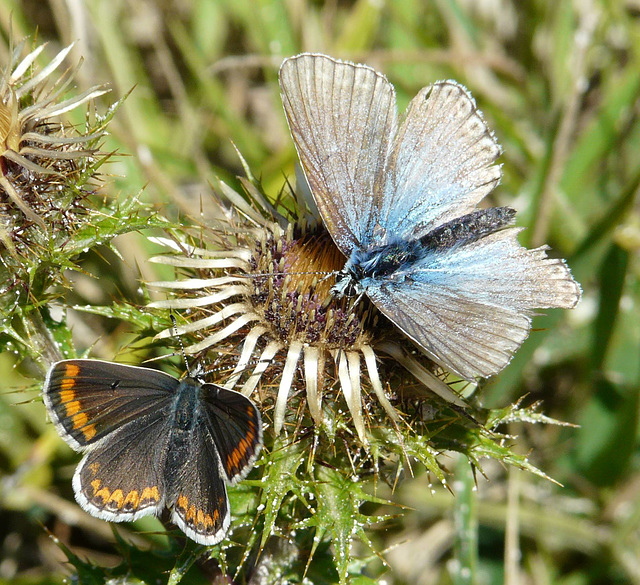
(613, 273)
(335, 513)
(280, 478)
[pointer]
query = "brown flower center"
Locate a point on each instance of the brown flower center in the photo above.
(292, 291)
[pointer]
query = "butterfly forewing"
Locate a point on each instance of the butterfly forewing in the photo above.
(88, 399)
(441, 164)
(236, 429)
(342, 118)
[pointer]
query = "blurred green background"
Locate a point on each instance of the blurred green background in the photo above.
(559, 84)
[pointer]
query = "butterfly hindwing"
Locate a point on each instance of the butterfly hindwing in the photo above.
(469, 306)
(123, 478)
(197, 488)
(89, 399)
(236, 428)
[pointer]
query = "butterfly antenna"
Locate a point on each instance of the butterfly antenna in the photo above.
(327, 275)
(184, 353)
(264, 274)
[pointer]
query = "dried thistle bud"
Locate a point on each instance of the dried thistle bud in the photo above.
(42, 158)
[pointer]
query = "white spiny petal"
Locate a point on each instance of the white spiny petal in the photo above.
(293, 355)
(314, 395)
(355, 404)
(432, 382)
(248, 347)
(239, 323)
(374, 378)
(223, 295)
(265, 359)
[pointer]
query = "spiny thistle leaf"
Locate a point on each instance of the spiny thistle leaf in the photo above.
(280, 478)
(529, 414)
(184, 562)
(104, 225)
(337, 514)
(143, 321)
(412, 446)
(484, 446)
(85, 572)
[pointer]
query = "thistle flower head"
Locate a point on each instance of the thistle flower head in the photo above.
(262, 289)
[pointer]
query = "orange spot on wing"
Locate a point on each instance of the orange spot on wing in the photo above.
(117, 498)
(71, 370)
(80, 421)
(66, 384)
(132, 500)
(197, 517)
(67, 395)
(239, 454)
(89, 432)
(150, 495)
(104, 494)
(72, 408)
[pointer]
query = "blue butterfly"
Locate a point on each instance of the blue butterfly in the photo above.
(399, 198)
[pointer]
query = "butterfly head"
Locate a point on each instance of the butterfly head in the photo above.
(375, 263)
(346, 285)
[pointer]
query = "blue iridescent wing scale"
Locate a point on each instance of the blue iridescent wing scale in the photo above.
(469, 306)
(441, 164)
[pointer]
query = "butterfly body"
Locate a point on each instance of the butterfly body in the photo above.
(184, 421)
(399, 198)
(383, 261)
(400, 259)
(152, 441)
